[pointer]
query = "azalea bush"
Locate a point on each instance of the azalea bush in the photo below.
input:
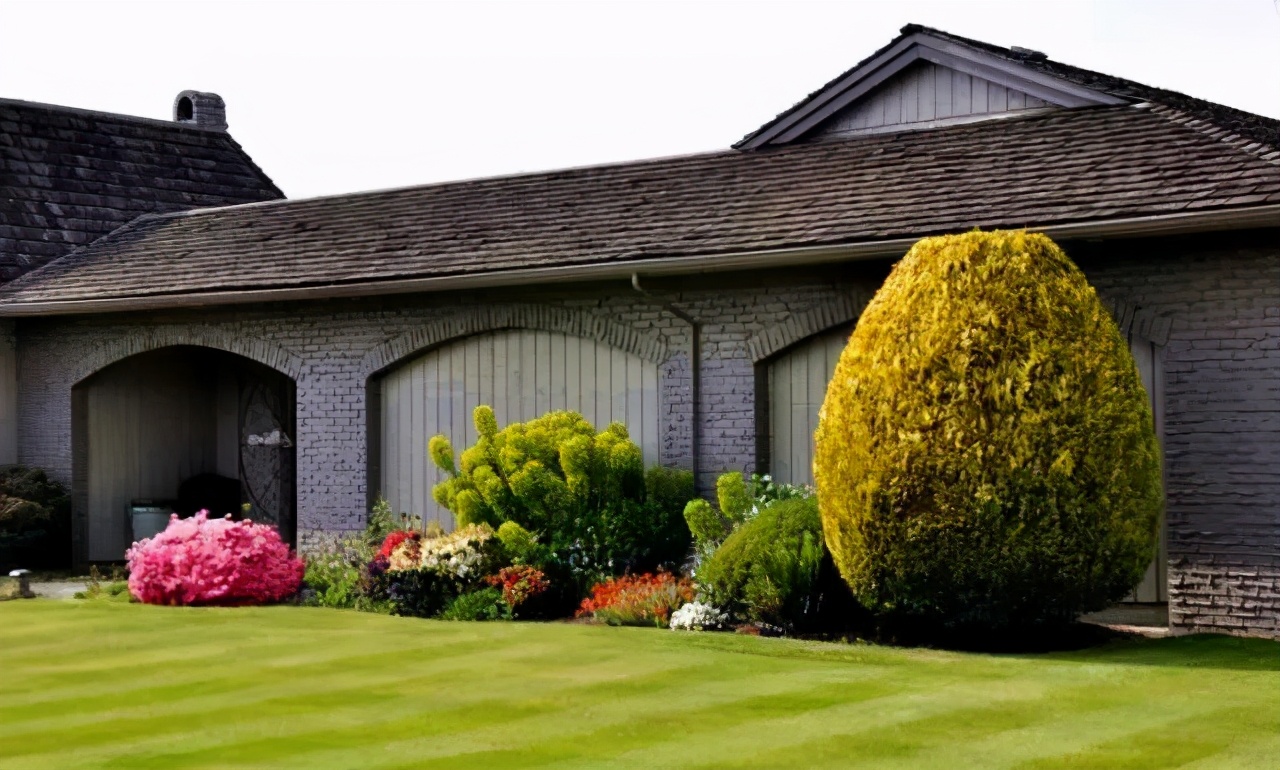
(201, 561)
(422, 575)
(637, 600)
(699, 616)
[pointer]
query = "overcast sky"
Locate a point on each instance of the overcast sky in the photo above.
(343, 96)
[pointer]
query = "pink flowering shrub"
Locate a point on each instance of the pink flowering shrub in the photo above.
(213, 561)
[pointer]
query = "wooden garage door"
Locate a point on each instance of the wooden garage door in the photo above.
(797, 384)
(522, 374)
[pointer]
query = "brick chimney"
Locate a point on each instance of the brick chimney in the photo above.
(201, 108)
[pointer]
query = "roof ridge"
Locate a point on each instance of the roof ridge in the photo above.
(1247, 145)
(551, 172)
(122, 116)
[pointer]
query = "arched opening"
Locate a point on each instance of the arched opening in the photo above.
(796, 383)
(186, 109)
(522, 374)
(179, 429)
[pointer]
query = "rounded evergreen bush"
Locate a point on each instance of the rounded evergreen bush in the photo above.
(774, 569)
(985, 454)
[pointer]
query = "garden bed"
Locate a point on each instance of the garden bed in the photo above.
(94, 684)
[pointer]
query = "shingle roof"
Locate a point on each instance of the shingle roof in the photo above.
(1258, 128)
(1058, 167)
(69, 176)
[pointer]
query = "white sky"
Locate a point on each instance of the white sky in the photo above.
(342, 96)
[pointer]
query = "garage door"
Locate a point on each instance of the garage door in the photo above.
(522, 374)
(797, 384)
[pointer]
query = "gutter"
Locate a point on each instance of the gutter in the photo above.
(623, 269)
(695, 371)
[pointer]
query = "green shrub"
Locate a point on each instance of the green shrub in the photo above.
(482, 604)
(775, 569)
(985, 455)
(585, 495)
(705, 523)
(740, 499)
(35, 520)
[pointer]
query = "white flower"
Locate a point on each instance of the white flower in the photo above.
(696, 616)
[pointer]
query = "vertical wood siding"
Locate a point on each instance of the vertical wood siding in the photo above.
(927, 92)
(1155, 584)
(151, 425)
(797, 384)
(522, 374)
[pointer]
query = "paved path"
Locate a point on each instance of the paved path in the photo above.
(61, 589)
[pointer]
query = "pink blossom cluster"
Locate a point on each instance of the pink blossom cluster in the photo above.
(213, 561)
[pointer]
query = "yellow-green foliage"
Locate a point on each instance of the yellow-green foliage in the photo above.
(985, 454)
(732, 495)
(542, 474)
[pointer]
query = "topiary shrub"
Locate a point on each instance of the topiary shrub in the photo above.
(774, 569)
(985, 454)
(213, 561)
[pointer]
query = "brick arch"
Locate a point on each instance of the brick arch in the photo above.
(1135, 320)
(486, 318)
(266, 353)
(800, 326)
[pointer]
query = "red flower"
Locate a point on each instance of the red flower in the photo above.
(395, 539)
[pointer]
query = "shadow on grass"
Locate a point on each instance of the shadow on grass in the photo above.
(1199, 651)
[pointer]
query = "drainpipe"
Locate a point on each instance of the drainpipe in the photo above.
(695, 374)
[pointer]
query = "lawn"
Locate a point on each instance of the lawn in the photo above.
(93, 684)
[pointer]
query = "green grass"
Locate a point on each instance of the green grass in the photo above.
(97, 684)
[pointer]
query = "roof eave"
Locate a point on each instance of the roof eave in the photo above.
(1147, 226)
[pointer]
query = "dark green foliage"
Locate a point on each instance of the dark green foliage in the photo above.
(985, 457)
(642, 536)
(35, 520)
(775, 569)
(417, 593)
(482, 604)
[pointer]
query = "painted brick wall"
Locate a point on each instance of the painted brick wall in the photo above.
(327, 348)
(1220, 299)
(1213, 304)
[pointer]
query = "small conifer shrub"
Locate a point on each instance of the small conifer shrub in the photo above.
(985, 454)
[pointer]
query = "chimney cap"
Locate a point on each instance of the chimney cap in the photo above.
(1027, 54)
(200, 108)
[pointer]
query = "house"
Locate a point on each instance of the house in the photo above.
(310, 348)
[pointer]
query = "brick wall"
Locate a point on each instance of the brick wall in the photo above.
(1217, 302)
(332, 348)
(1213, 305)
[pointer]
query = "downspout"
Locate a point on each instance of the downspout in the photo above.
(695, 370)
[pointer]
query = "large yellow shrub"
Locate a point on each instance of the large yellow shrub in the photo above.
(985, 453)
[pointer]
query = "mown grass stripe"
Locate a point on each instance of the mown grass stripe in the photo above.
(128, 686)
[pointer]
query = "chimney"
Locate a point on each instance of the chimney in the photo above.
(202, 109)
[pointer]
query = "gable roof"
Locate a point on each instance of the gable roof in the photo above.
(1093, 171)
(1027, 71)
(70, 176)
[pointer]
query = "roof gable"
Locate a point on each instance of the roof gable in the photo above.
(926, 95)
(70, 176)
(932, 69)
